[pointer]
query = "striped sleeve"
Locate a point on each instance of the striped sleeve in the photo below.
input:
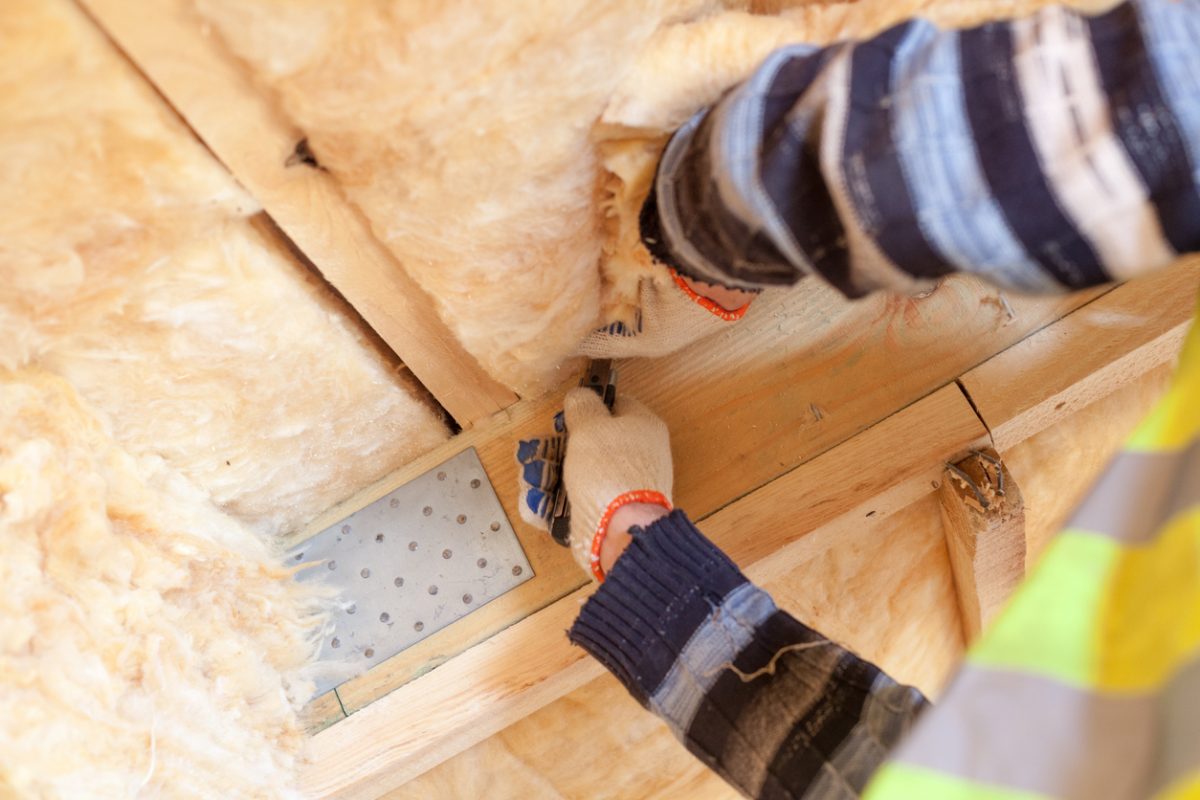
(771, 705)
(1048, 153)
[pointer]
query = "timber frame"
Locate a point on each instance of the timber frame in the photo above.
(814, 415)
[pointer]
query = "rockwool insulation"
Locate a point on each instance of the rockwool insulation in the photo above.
(466, 131)
(175, 389)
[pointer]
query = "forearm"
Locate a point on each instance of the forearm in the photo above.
(771, 705)
(1050, 153)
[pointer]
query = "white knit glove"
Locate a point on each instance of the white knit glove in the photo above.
(612, 460)
(671, 316)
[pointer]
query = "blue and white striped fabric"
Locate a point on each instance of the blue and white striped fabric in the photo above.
(1057, 151)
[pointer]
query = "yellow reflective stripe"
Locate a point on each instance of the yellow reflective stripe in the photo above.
(904, 782)
(1187, 788)
(1175, 422)
(1150, 621)
(1049, 627)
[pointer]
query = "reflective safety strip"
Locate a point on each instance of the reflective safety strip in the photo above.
(1138, 493)
(1049, 625)
(903, 782)
(1035, 734)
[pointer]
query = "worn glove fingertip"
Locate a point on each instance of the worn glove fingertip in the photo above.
(582, 404)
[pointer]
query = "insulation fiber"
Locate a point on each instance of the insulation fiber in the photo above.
(175, 389)
(129, 266)
(148, 642)
(462, 130)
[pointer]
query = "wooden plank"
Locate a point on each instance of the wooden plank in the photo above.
(983, 515)
(433, 717)
(1049, 448)
(803, 372)
(186, 62)
(880, 585)
(1086, 356)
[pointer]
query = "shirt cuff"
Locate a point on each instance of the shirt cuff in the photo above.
(658, 593)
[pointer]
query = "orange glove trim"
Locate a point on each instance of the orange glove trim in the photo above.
(639, 496)
(708, 305)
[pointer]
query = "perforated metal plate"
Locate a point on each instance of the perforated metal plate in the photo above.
(414, 561)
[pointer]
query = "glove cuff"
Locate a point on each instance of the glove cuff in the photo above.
(647, 496)
(708, 305)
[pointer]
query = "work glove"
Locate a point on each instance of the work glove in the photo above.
(611, 460)
(670, 316)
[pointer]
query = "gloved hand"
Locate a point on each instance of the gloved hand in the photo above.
(670, 316)
(612, 460)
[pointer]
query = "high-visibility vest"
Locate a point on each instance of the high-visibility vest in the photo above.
(1088, 683)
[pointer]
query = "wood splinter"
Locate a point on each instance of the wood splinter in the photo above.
(984, 517)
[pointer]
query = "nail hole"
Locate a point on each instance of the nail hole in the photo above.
(399, 582)
(475, 484)
(1060, 406)
(352, 610)
(427, 511)
(369, 652)
(935, 484)
(495, 526)
(379, 537)
(299, 556)
(441, 476)
(481, 563)
(447, 553)
(433, 590)
(384, 617)
(336, 643)
(870, 513)
(420, 626)
(517, 570)
(462, 519)
(394, 502)
(467, 599)
(366, 573)
(332, 565)
(412, 546)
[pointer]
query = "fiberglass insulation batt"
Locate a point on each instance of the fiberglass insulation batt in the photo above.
(467, 132)
(174, 389)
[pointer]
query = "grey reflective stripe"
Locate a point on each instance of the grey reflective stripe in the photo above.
(1139, 492)
(714, 644)
(885, 717)
(1179, 727)
(1029, 733)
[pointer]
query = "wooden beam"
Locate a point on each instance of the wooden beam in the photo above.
(883, 469)
(803, 372)
(240, 124)
(983, 515)
(1086, 355)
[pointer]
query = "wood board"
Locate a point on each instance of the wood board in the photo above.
(530, 664)
(803, 372)
(903, 618)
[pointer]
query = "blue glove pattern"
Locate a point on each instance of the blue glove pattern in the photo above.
(541, 460)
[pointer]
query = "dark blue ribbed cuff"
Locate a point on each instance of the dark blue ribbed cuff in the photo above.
(658, 593)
